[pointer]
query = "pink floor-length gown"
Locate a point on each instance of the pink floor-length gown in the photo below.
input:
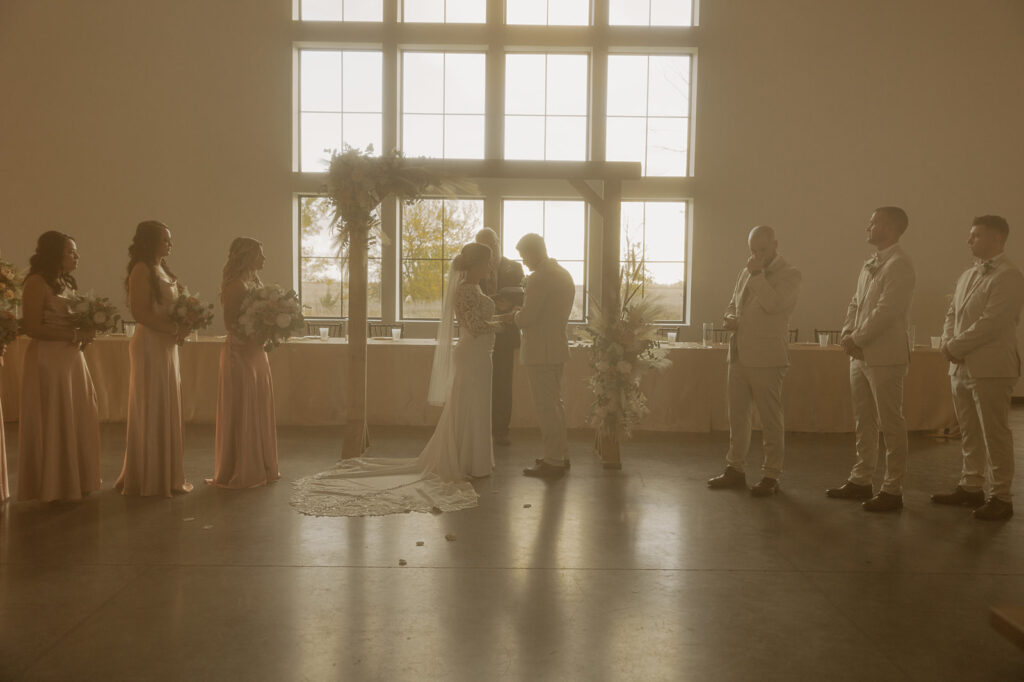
(154, 456)
(59, 425)
(246, 440)
(5, 490)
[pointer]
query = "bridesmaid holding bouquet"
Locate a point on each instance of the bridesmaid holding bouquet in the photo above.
(246, 439)
(154, 457)
(59, 453)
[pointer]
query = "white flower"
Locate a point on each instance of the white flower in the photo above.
(99, 317)
(283, 320)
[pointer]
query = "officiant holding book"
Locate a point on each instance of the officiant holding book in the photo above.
(505, 286)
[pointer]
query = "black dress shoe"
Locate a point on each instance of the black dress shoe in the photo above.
(960, 498)
(568, 464)
(766, 487)
(850, 491)
(544, 470)
(730, 478)
(994, 510)
(883, 502)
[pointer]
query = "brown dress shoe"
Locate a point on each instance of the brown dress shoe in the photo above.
(766, 487)
(568, 464)
(544, 470)
(883, 502)
(960, 498)
(850, 491)
(730, 478)
(994, 510)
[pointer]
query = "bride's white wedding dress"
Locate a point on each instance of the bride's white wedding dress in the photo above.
(459, 449)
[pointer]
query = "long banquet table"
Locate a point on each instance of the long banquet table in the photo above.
(690, 396)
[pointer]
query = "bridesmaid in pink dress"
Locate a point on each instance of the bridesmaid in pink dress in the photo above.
(154, 456)
(246, 442)
(59, 453)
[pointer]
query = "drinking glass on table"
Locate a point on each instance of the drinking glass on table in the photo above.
(671, 336)
(396, 333)
(936, 342)
(324, 332)
(823, 339)
(708, 329)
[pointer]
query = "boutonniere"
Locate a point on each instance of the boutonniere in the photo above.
(872, 265)
(987, 267)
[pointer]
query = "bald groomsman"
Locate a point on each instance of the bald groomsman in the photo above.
(980, 341)
(875, 337)
(758, 316)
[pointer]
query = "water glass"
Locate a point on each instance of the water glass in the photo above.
(708, 328)
(936, 342)
(671, 336)
(823, 339)
(129, 329)
(324, 332)
(396, 333)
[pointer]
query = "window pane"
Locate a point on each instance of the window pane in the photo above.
(322, 287)
(421, 288)
(526, 12)
(666, 146)
(316, 235)
(568, 12)
(665, 284)
(626, 139)
(364, 10)
(665, 231)
(321, 10)
(373, 295)
(632, 239)
(362, 80)
(423, 10)
(423, 135)
(671, 13)
(524, 83)
(464, 81)
(565, 229)
(630, 12)
(423, 82)
(464, 137)
(576, 270)
(524, 137)
(519, 218)
(566, 138)
(627, 85)
(320, 134)
(361, 130)
(466, 11)
(670, 86)
(567, 84)
(321, 80)
(421, 230)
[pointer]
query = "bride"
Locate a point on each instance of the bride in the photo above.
(460, 447)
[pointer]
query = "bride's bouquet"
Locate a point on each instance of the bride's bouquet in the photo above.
(94, 313)
(10, 285)
(190, 313)
(270, 315)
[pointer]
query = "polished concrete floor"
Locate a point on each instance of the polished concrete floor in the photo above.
(642, 574)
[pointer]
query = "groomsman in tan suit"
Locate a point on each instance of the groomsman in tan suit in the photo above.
(758, 316)
(980, 340)
(543, 319)
(874, 335)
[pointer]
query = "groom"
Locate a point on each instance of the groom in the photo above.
(543, 319)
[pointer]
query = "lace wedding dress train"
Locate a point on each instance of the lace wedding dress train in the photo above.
(460, 447)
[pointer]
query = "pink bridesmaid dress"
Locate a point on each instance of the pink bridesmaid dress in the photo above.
(246, 440)
(59, 451)
(5, 491)
(154, 455)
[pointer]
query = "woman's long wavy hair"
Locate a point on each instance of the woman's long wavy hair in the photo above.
(241, 263)
(48, 259)
(143, 249)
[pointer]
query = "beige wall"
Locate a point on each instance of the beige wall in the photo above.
(809, 114)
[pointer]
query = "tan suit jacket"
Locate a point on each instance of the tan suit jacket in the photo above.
(981, 323)
(878, 314)
(761, 306)
(547, 305)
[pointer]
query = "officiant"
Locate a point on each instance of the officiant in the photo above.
(505, 286)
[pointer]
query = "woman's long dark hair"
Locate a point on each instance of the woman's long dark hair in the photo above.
(48, 259)
(143, 250)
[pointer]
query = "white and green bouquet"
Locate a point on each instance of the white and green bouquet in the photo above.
(271, 315)
(94, 313)
(624, 349)
(190, 313)
(9, 326)
(10, 285)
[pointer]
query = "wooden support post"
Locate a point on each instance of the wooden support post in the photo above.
(356, 432)
(608, 444)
